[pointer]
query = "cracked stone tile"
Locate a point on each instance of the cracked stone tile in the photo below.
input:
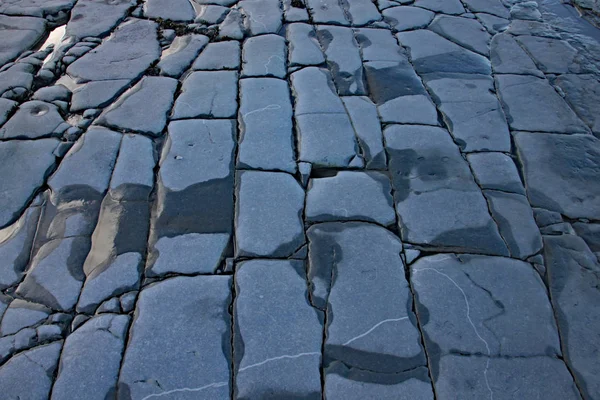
(194, 204)
(399, 93)
(127, 53)
(467, 32)
(14, 83)
(133, 176)
(351, 195)
(438, 203)
(364, 118)
(294, 330)
(496, 171)
(23, 340)
(219, 55)
(33, 119)
(53, 93)
(432, 53)
(405, 18)
(36, 367)
(18, 34)
(531, 104)
(509, 58)
(96, 17)
(582, 92)
(263, 16)
(16, 242)
(295, 11)
(195, 357)
(303, 45)
(326, 12)
(269, 212)
(378, 45)
(517, 226)
(24, 169)
(493, 24)
(346, 383)
(573, 279)
(143, 108)
(207, 94)
(36, 8)
(180, 55)
(561, 172)
(363, 325)
(264, 55)
(442, 6)
(97, 94)
(22, 314)
(551, 55)
(472, 112)
(527, 10)
(232, 26)
(493, 7)
(266, 135)
(174, 10)
(362, 12)
(590, 233)
(6, 109)
(495, 318)
(343, 59)
(90, 360)
(314, 92)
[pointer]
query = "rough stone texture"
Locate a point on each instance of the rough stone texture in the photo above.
(182, 52)
(407, 18)
(364, 118)
(18, 34)
(467, 32)
(210, 94)
(496, 171)
(174, 10)
(582, 92)
(263, 16)
(219, 55)
(22, 314)
(304, 48)
(33, 120)
(96, 17)
(97, 94)
(494, 7)
(442, 6)
(264, 55)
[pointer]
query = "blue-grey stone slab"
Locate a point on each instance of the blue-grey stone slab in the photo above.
(22, 314)
(493, 7)
(365, 120)
(582, 93)
(180, 55)
(6, 108)
(97, 94)
(96, 17)
(211, 94)
(509, 58)
(232, 26)
(378, 45)
(263, 16)
(33, 119)
(295, 12)
(18, 34)
(36, 8)
(404, 18)
(496, 171)
(219, 55)
(174, 10)
(314, 92)
(264, 55)
(442, 6)
(289, 366)
(210, 14)
(133, 175)
(493, 24)
(304, 48)
(327, 12)
(467, 32)
(362, 12)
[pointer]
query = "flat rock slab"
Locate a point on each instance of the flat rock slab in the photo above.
(493, 7)
(174, 10)
(363, 326)
(508, 57)
(180, 340)
(219, 55)
(96, 17)
(268, 220)
(582, 92)
(290, 365)
(442, 6)
(467, 32)
(438, 203)
(263, 16)
(33, 120)
(552, 56)
(304, 48)
(19, 34)
(496, 171)
(264, 55)
(207, 94)
(561, 172)
(180, 55)
(405, 18)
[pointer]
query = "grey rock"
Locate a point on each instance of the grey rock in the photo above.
(492, 23)
(432, 53)
(304, 169)
(219, 55)
(195, 355)
(33, 120)
(293, 13)
(111, 305)
(126, 54)
(362, 324)
(79, 320)
(36, 367)
(364, 118)
(143, 108)
(22, 314)
(262, 16)
(557, 177)
(292, 328)
(378, 45)
(515, 221)
(351, 196)
(268, 214)
(493, 7)
(509, 58)
(264, 55)
(558, 229)
(573, 273)
(582, 92)
(362, 12)
(37, 8)
(546, 217)
(46, 333)
(211, 14)
(405, 18)
(590, 233)
(314, 92)
(96, 17)
(442, 6)
(527, 10)
(97, 94)
(180, 55)
(24, 169)
(304, 48)
(411, 254)
(133, 175)
(224, 3)
(207, 94)
(90, 360)
(6, 108)
(232, 26)
(18, 34)
(467, 32)
(266, 138)
(174, 10)
(128, 301)
(548, 112)
(496, 171)
(471, 111)
(343, 59)
(4, 303)
(552, 56)
(326, 12)
(52, 93)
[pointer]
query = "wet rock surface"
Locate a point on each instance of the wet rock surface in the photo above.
(260, 199)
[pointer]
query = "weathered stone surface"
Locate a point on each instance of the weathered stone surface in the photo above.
(125, 55)
(143, 108)
(582, 92)
(264, 55)
(133, 175)
(195, 357)
(509, 58)
(561, 172)
(492, 23)
(438, 203)
(466, 32)
(266, 138)
(97, 94)
(22, 314)
(496, 171)
(180, 55)
(471, 111)
(232, 26)
(304, 48)
(34, 119)
(432, 53)
(219, 55)
(24, 169)
(263, 16)
(294, 12)
(174, 10)
(269, 210)
(590, 233)
(207, 94)
(406, 18)
(552, 56)
(573, 278)
(343, 59)
(91, 357)
(527, 10)
(290, 365)
(363, 325)
(36, 367)
(326, 12)
(18, 34)
(531, 104)
(6, 108)
(364, 118)
(378, 45)
(494, 7)
(442, 6)
(211, 14)
(36, 8)
(362, 12)
(351, 196)
(96, 17)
